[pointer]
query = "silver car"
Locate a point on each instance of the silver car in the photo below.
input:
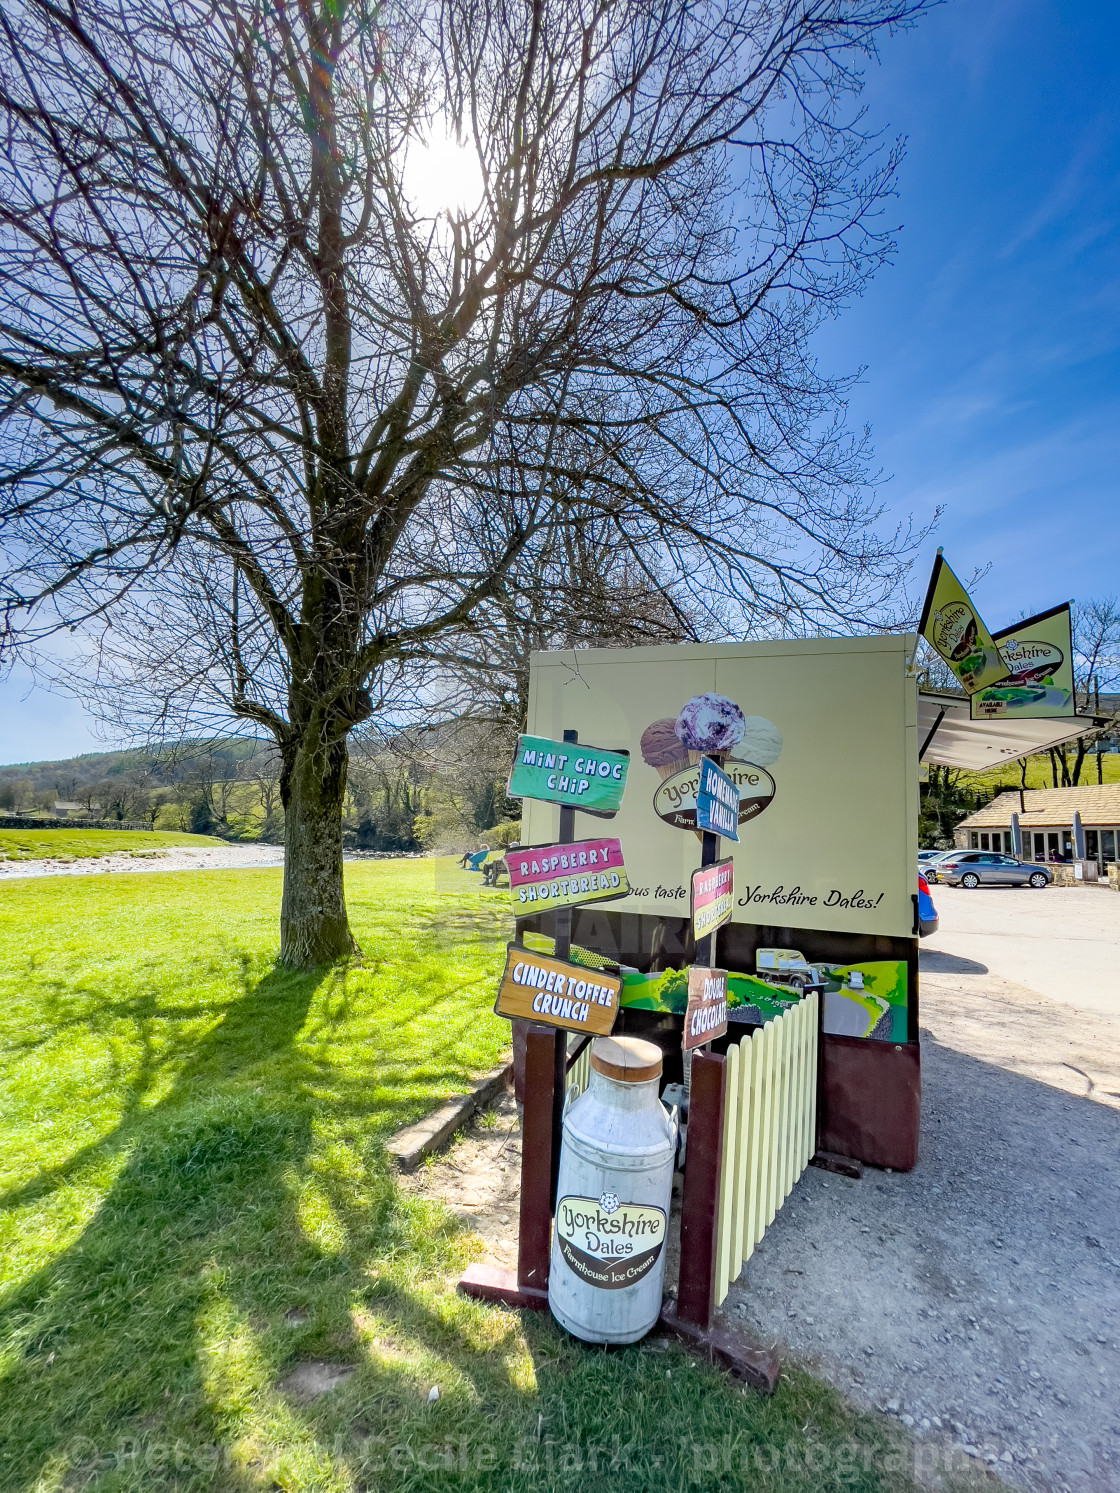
(929, 860)
(973, 868)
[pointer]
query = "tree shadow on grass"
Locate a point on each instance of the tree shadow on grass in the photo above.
(106, 1337)
(235, 1240)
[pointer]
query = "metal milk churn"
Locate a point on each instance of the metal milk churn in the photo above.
(612, 1198)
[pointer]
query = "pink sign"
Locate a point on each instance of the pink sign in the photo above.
(563, 875)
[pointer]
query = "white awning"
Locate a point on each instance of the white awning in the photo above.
(949, 736)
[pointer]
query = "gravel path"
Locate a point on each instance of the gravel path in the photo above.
(978, 1297)
(209, 858)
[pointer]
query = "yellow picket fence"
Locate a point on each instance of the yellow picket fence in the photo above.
(579, 1074)
(769, 1130)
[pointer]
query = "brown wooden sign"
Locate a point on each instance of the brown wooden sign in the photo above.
(557, 993)
(706, 1014)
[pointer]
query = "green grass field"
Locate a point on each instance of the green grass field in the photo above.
(1039, 774)
(196, 1200)
(68, 844)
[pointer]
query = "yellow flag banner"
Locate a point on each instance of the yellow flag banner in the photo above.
(1038, 653)
(951, 624)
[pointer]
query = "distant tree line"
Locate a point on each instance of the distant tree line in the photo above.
(437, 789)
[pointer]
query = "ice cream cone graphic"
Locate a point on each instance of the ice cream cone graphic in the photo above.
(662, 749)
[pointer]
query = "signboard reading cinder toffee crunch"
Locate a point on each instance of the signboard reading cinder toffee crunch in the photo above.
(713, 897)
(567, 772)
(556, 993)
(609, 1243)
(566, 875)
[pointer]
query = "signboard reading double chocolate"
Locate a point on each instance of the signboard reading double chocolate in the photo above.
(556, 993)
(706, 1014)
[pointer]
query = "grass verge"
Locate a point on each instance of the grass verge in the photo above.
(70, 844)
(197, 1224)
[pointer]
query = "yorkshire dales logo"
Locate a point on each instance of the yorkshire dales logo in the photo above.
(954, 631)
(675, 800)
(1031, 660)
(713, 726)
(608, 1243)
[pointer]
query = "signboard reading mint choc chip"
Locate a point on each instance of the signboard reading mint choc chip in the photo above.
(566, 772)
(711, 724)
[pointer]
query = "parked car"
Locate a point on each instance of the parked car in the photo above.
(973, 868)
(929, 860)
(927, 913)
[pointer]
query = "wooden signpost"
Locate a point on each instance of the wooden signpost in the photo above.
(547, 989)
(565, 875)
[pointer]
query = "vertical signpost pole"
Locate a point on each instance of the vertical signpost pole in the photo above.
(561, 950)
(709, 854)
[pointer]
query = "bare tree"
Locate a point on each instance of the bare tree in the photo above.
(1096, 663)
(256, 393)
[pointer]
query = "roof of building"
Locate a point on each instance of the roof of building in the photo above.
(1096, 803)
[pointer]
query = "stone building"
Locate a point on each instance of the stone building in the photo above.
(1047, 824)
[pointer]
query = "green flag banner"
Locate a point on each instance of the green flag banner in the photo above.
(567, 772)
(1038, 653)
(951, 624)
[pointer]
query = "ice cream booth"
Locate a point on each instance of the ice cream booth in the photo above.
(820, 736)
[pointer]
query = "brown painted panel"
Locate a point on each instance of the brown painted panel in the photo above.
(700, 1204)
(871, 1100)
(534, 1243)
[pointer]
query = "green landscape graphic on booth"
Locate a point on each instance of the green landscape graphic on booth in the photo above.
(882, 998)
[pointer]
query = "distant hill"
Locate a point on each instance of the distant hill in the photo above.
(164, 767)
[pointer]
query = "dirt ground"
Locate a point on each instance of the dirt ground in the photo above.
(978, 1297)
(184, 858)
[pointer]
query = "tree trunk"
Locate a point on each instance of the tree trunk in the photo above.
(314, 929)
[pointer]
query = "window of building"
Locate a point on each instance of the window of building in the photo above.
(1039, 846)
(1091, 847)
(1108, 845)
(974, 840)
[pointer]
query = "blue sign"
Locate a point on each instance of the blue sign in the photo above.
(717, 801)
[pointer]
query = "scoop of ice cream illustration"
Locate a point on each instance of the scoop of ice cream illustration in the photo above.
(761, 741)
(662, 748)
(709, 723)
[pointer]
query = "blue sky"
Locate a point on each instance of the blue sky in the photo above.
(991, 345)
